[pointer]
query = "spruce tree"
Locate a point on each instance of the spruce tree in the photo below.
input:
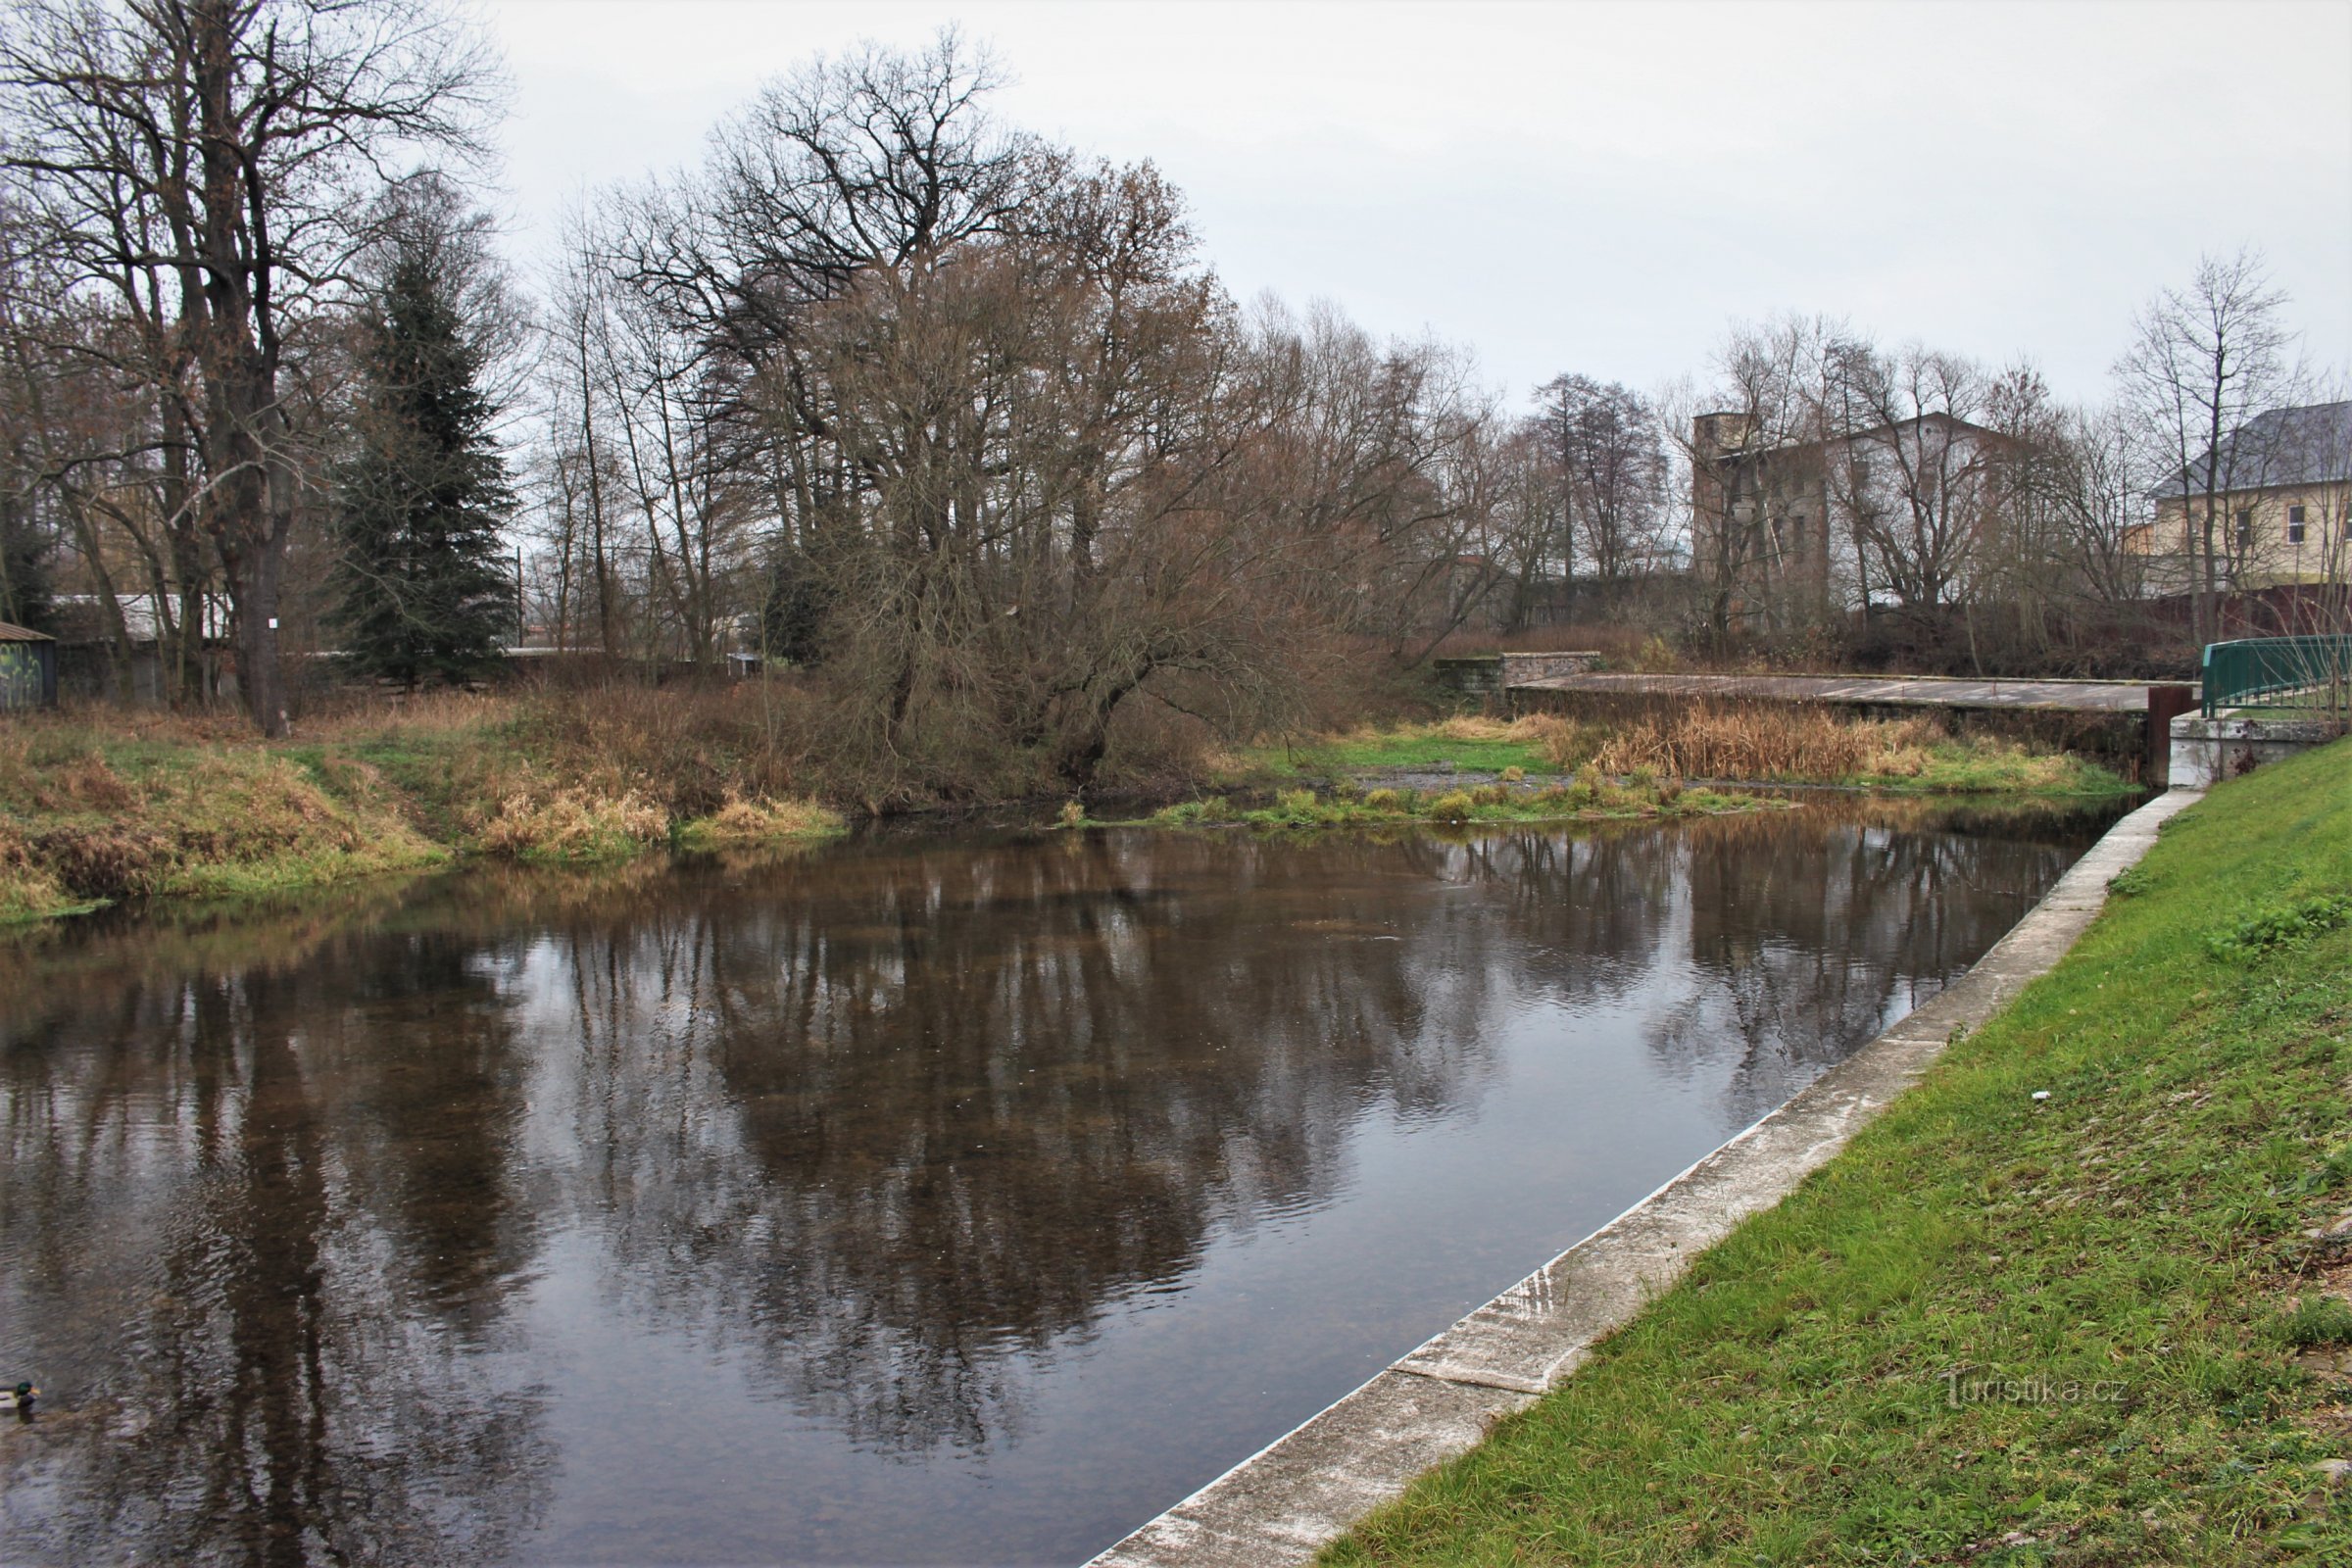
(423, 592)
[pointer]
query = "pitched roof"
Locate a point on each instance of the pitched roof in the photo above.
(22, 634)
(2309, 445)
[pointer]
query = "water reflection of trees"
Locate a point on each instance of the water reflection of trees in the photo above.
(253, 1242)
(971, 1098)
(1804, 945)
(893, 1124)
(1772, 945)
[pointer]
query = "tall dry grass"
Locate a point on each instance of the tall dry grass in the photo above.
(687, 749)
(582, 774)
(89, 814)
(749, 821)
(1767, 741)
(572, 823)
(1793, 742)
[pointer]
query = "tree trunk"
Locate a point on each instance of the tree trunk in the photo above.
(254, 574)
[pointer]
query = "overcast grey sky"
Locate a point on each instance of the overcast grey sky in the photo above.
(1599, 188)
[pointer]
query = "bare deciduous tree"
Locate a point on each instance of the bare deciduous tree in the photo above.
(2204, 360)
(1612, 464)
(1013, 457)
(1750, 437)
(205, 163)
(1911, 468)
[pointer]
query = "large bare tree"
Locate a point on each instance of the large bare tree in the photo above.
(1752, 432)
(1018, 463)
(205, 165)
(1911, 466)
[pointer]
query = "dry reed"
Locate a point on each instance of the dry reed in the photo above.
(1768, 741)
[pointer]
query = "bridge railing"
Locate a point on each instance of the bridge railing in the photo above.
(2311, 672)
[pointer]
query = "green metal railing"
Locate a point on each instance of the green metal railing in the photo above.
(2314, 672)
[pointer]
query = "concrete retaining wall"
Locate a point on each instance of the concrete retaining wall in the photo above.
(1492, 674)
(1280, 1505)
(2205, 750)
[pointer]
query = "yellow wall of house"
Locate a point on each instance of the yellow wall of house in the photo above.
(2269, 553)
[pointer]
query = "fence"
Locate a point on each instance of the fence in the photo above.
(2297, 673)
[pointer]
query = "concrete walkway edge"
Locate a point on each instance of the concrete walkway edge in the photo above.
(1284, 1502)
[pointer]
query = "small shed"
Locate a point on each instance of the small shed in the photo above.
(27, 667)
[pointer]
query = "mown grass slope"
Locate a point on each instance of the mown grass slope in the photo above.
(2101, 1327)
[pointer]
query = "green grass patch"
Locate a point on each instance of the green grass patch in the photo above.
(2279, 925)
(2001, 1329)
(1589, 798)
(746, 822)
(1984, 767)
(1779, 745)
(1410, 747)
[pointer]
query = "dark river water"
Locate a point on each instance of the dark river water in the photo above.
(964, 1198)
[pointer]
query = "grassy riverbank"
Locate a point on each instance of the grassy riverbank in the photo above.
(2101, 1327)
(114, 805)
(1591, 797)
(140, 806)
(1765, 743)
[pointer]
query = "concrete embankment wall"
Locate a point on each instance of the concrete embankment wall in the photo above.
(2206, 751)
(1492, 675)
(1282, 1504)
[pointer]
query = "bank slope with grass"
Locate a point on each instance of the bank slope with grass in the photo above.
(2099, 1327)
(1754, 743)
(91, 813)
(126, 805)
(1590, 798)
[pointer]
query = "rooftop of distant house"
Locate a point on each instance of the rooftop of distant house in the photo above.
(2309, 445)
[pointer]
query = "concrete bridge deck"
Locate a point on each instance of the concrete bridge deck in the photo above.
(2060, 696)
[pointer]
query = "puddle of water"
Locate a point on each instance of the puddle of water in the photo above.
(929, 1198)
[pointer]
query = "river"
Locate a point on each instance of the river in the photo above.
(954, 1196)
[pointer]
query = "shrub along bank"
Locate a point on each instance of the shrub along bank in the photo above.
(2105, 1326)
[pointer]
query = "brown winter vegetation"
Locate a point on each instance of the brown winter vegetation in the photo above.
(89, 818)
(1758, 741)
(95, 811)
(1789, 742)
(106, 803)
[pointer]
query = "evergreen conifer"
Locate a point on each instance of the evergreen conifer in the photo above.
(423, 594)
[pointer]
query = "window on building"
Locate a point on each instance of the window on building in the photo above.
(2295, 525)
(2245, 526)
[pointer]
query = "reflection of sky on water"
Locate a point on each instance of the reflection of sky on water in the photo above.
(921, 1200)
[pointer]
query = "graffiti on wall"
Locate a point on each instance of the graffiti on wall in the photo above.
(20, 675)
